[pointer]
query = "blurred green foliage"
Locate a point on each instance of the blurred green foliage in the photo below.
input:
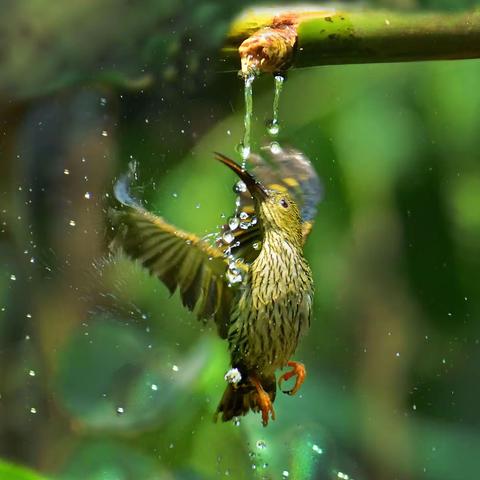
(104, 376)
(14, 472)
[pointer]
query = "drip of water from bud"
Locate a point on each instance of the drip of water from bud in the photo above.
(245, 147)
(273, 127)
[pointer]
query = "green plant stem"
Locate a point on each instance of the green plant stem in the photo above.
(353, 36)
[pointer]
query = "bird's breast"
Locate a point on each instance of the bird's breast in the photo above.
(279, 275)
(273, 310)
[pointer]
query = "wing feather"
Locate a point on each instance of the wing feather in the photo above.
(179, 259)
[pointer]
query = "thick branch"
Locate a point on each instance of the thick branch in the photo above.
(345, 36)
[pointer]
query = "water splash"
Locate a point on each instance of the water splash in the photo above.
(234, 274)
(228, 237)
(245, 147)
(233, 376)
(273, 127)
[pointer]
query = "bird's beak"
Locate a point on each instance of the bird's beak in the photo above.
(256, 189)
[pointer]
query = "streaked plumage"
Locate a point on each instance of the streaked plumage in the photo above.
(255, 283)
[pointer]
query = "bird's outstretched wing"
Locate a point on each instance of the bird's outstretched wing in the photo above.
(180, 259)
(288, 170)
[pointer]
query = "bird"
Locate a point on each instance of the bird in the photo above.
(253, 280)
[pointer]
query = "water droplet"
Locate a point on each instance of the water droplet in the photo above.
(120, 411)
(244, 225)
(175, 195)
(240, 187)
(317, 449)
(236, 422)
(72, 223)
(104, 133)
(261, 444)
(233, 273)
(273, 128)
(33, 410)
(175, 368)
(154, 387)
(228, 237)
(256, 245)
(13, 277)
(233, 223)
(233, 267)
(31, 373)
(285, 474)
(66, 171)
(275, 148)
(243, 215)
(103, 101)
(233, 278)
(88, 195)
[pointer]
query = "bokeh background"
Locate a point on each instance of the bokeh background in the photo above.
(104, 377)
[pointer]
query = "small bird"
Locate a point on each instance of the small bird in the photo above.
(254, 281)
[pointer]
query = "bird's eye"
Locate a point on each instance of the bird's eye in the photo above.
(284, 203)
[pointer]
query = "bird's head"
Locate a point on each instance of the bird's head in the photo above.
(276, 210)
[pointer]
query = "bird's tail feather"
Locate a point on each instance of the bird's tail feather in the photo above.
(238, 400)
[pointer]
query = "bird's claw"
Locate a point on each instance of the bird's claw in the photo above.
(298, 370)
(264, 403)
(267, 410)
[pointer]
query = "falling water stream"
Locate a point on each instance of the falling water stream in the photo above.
(273, 127)
(241, 219)
(244, 147)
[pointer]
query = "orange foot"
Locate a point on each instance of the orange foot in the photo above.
(298, 370)
(264, 402)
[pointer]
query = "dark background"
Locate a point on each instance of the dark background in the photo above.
(103, 376)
